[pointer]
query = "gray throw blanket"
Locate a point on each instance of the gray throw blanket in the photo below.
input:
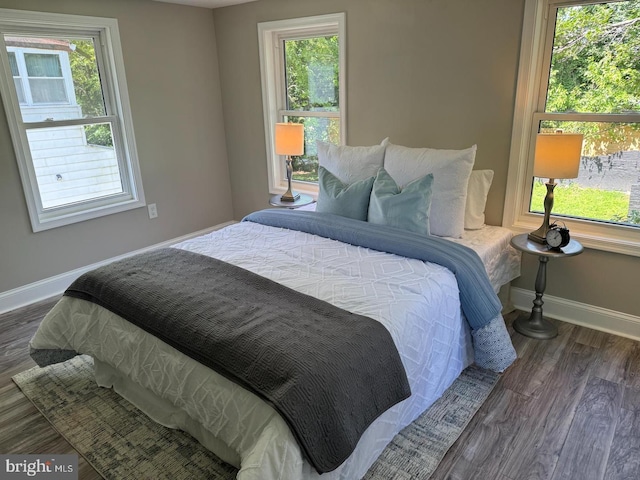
(328, 372)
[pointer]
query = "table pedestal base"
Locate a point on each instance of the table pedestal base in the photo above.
(535, 326)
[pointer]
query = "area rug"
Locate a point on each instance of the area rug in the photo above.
(123, 443)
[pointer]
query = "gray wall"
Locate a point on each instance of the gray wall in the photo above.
(171, 65)
(437, 73)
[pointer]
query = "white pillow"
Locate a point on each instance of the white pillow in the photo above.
(479, 185)
(451, 170)
(351, 164)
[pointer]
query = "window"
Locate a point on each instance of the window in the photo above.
(44, 77)
(63, 86)
(302, 64)
(580, 73)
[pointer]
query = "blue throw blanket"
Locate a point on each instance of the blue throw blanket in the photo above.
(480, 303)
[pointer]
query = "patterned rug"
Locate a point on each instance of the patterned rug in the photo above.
(122, 443)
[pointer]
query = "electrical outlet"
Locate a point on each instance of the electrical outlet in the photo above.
(153, 210)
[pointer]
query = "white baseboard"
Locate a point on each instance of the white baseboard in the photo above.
(589, 316)
(52, 286)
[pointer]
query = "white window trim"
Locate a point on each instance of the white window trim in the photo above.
(273, 103)
(600, 236)
(116, 95)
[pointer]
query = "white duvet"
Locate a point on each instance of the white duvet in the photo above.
(418, 302)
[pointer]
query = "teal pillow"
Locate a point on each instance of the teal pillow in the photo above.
(335, 197)
(407, 209)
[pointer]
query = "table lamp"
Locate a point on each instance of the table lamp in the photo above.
(557, 156)
(289, 141)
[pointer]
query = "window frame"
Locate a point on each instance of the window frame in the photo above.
(535, 63)
(19, 77)
(270, 38)
(105, 34)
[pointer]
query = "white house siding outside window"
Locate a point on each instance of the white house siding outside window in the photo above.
(580, 73)
(303, 81)
(71, 127)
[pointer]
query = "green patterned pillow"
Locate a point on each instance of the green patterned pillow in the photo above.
(335, 197)
(407, 209)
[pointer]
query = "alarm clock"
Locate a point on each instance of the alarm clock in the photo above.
(557, 236)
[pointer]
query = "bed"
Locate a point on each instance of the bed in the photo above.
(417, 301)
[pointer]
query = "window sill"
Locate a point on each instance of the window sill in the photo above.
(41, 223)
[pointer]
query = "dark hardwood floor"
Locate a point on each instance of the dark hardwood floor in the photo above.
(22, 428)
(569, 408)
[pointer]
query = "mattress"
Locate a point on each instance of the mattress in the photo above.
(432, 338)
(492, 244)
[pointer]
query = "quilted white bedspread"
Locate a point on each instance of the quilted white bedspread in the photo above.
(418, 303)
(492, 244)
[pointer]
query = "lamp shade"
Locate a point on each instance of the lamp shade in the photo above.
(289, 139)
(557, 155)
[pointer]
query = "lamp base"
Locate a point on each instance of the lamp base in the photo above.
(540, 235)
(289, 197)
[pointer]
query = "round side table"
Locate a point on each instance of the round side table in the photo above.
(299, 202)
(535, 325)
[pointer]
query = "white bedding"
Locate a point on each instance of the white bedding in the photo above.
(417, 301)
(492, 244)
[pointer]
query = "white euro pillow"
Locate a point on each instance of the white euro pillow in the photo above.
(451, 170)
(477, 192)
(350, 164)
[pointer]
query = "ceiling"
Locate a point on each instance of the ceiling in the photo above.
(207, 3)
